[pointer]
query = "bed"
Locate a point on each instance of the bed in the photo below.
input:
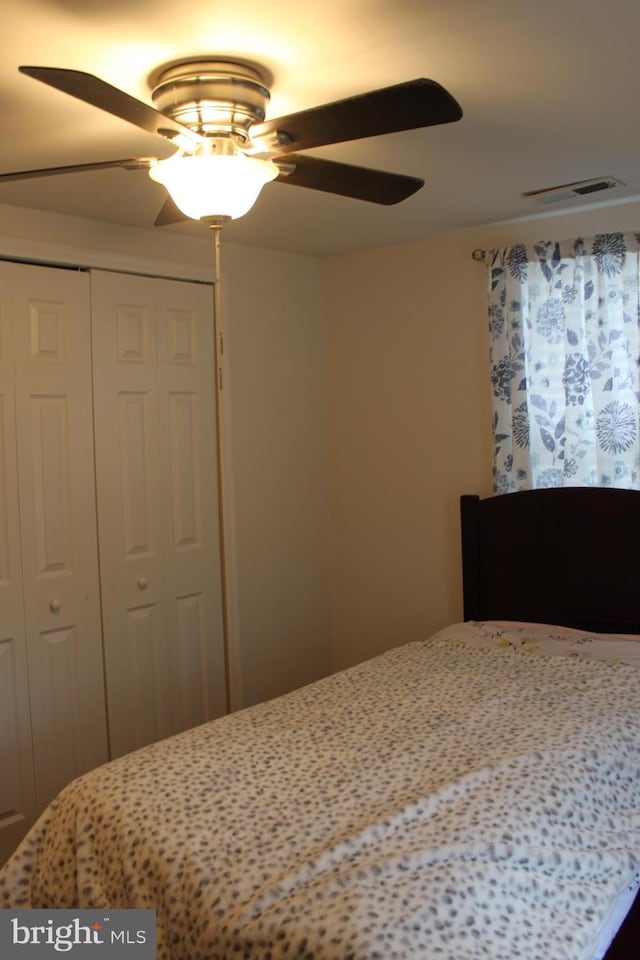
(471, 795)
(564, 556)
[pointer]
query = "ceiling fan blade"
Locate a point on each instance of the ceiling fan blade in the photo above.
(133, 164)
(404, 106)
(361, 183)
(169, 213)
(98, 93)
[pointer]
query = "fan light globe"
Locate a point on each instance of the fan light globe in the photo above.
(219, 183)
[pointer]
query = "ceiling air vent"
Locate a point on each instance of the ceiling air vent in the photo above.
(573, 191)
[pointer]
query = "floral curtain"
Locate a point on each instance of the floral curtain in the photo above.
(564, 324)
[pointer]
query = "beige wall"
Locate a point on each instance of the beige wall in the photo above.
(40, 236)
(409, 431)
(409, 425)
(277, 463)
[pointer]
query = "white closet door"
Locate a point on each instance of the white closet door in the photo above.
(17, 785)
(157, 506)
(193, 578)
(52, 361)
(129, 512)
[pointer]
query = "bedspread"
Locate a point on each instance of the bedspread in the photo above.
(448, 799)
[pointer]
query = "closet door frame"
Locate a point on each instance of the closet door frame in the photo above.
(17, 785)
(96, 254)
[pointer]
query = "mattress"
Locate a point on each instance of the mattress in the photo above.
(474, 794)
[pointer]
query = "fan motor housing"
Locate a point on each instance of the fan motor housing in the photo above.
(213, 97)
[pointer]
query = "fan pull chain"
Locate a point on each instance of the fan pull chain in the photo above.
(216, 227)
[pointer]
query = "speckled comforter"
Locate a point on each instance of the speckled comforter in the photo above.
(462, 797)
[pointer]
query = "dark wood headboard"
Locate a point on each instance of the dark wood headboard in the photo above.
(568, 556)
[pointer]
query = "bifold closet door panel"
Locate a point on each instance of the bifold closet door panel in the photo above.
(157, 506)
(54, 431)
(17, 785)
(193, 575)
(130, 520)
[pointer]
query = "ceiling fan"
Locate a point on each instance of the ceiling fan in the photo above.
(213, 111)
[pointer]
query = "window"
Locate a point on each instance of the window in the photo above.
(564, 325)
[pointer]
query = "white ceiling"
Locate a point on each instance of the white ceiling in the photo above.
(549, 91)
